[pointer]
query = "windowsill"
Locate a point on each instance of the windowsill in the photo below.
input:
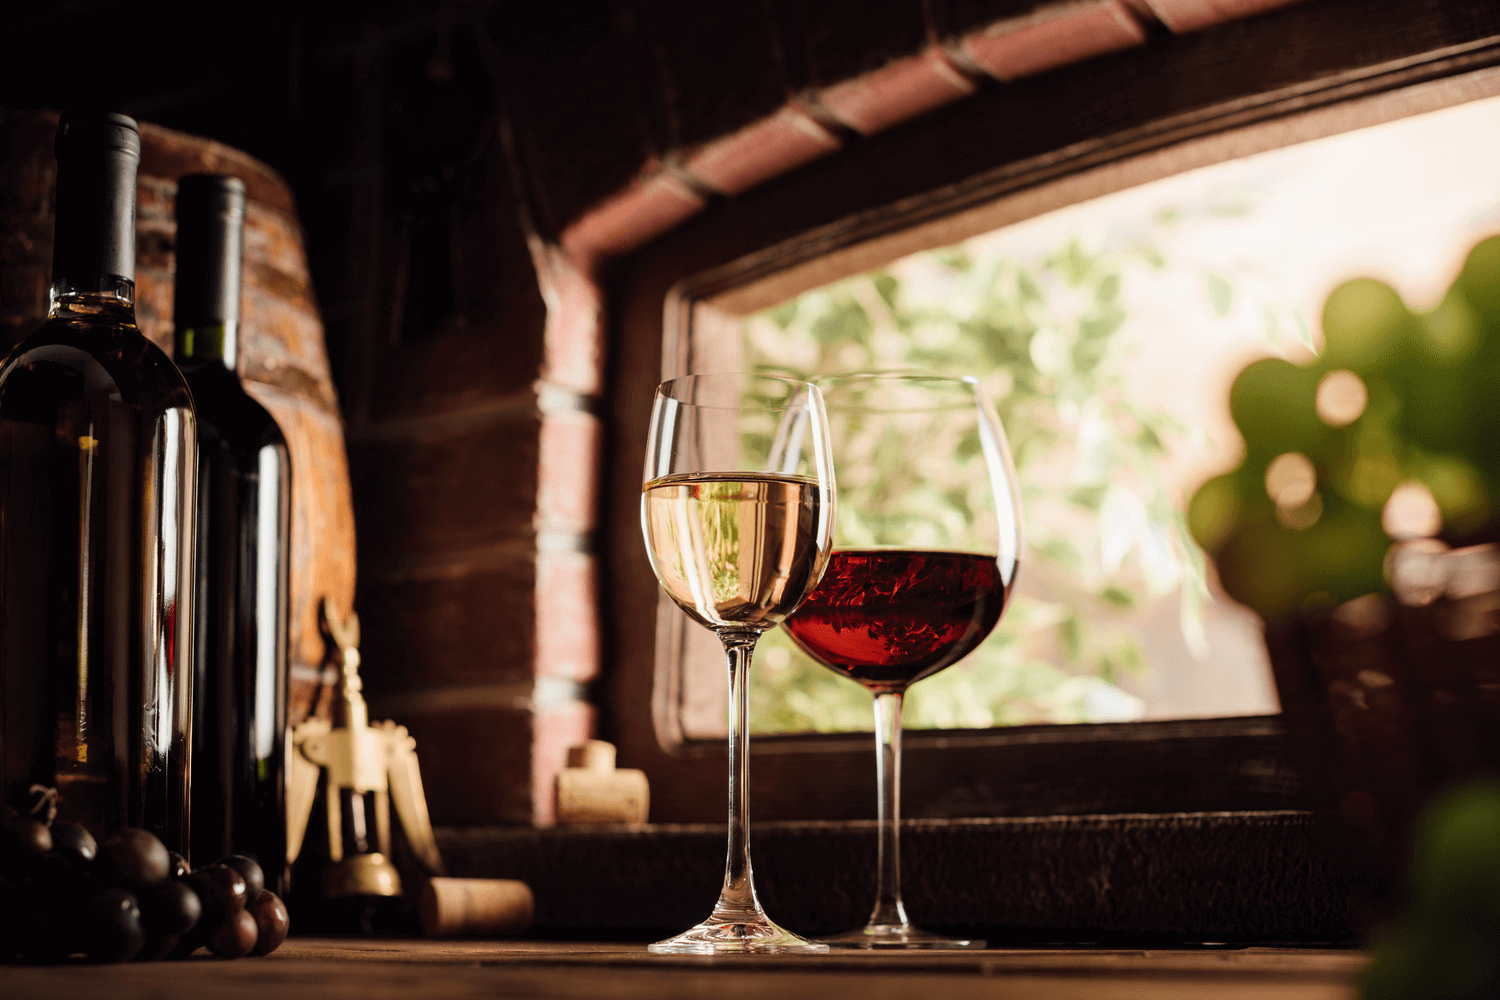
(1243, 877)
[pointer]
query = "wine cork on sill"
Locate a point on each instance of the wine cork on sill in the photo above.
(591, 790)
(595, 755)
(476, 907)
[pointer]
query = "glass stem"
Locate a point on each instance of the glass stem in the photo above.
(737, 902)
(888, 910)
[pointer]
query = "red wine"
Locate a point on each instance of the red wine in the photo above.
(889, 617)
(244, 533)
(98, 454)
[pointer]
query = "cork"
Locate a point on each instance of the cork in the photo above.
(476, 907)
(592, 790)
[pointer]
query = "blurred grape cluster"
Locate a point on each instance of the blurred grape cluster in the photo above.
(1391, 434)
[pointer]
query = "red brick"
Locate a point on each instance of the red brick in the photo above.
(631, 218)
(568, 471)
(768, 148)
(1052, 38)
(896, 92)
(460, 371)
(554, 729)
(476, 763)
(1193, 15)
(573, 344)
(445, 486)
(471, 621)
(567, 620)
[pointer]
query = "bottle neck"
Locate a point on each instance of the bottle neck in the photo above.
(198, 345)
(108, 297)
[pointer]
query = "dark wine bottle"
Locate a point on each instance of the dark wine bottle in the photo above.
(244, 532)
(98, 456)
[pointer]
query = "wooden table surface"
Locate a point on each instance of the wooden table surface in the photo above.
(386, 970)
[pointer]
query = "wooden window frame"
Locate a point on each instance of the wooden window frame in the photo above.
(1009, 153)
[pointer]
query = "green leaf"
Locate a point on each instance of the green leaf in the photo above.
(1027, 286)
(1074, 263)
(1220, 294)
(1149, 440)
(1117, 596)
(969, 445)
(846, 322)
(1108, 290)
(783, 314)
(1102, 323)
(1061, 551)
(1087, 497)
(1070, 629)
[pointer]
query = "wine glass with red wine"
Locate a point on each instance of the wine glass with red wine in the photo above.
(737, 510)
(926, 549)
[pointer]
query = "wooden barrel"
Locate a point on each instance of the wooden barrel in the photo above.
(283, 362)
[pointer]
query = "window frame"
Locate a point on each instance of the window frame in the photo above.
(1009, 153)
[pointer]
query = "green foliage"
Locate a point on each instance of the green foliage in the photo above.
(1048, 340)
(1448, 944)
(1429, 418)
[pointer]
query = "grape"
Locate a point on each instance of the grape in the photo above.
(22, 842)
(59, 875)
(26, 836)
(112, 929)
(221, 891)
(255, 879)
(177, 866)
(170, 909)
(72, 839)
(272, 920)
(188, 943)
(159, 949)
(234, 938)
(134, 859)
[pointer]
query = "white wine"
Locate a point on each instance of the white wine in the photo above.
(736, 549)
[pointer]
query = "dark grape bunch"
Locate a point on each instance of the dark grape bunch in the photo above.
(63, 894)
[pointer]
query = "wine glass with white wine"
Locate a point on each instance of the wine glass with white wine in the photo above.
(737, 510)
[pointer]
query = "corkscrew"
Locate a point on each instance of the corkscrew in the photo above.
(361, 759)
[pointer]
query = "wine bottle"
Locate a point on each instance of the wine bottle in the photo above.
(98, 455)
(244, 531)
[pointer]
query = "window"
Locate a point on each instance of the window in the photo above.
(839, 220)
(1109, 334)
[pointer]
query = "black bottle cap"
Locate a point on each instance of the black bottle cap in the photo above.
(97, 157)
(210, 245)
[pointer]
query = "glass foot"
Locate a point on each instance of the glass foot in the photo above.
(732, 937)
(896, 936)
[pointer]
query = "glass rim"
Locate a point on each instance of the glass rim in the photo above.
(969, 385)
(669, 389)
